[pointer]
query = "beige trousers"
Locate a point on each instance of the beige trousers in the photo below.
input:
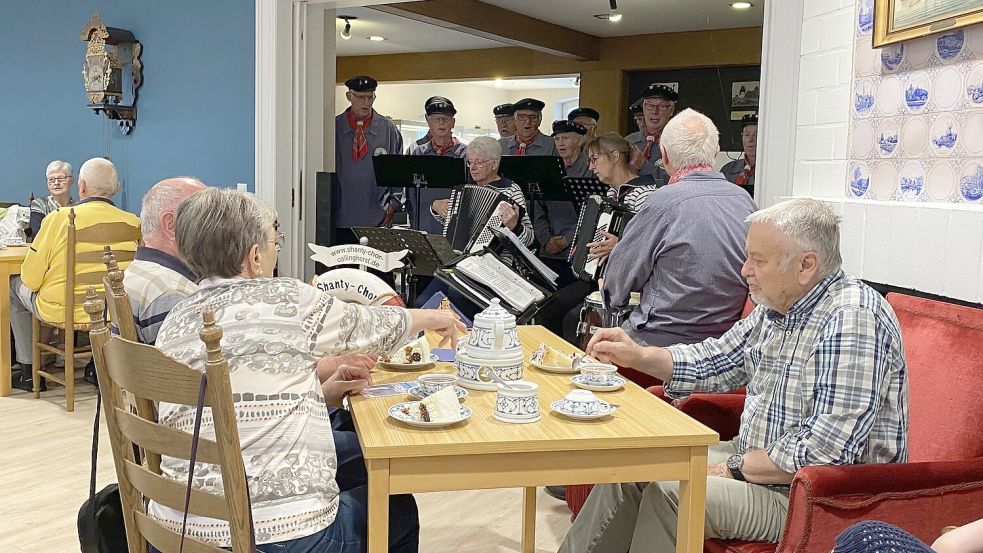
(641, 517)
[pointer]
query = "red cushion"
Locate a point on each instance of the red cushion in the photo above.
(737, 546)
(944, 347)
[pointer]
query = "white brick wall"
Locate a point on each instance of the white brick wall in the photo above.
(935, 248)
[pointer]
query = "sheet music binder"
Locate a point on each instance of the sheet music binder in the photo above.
(540, 177)
(417, 172)
(423, 258)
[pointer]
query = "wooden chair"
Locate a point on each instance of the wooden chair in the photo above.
(126, 366)
(120, 311)
(100, 234)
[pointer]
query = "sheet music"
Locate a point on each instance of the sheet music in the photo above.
(526, 253)
(494, 274)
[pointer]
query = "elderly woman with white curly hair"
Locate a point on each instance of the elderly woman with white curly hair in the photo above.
(275, 330)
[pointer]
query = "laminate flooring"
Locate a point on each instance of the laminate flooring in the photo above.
(44, 478)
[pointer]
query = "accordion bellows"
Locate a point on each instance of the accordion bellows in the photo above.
(470, 211)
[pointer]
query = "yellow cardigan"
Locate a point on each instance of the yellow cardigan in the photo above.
(44, 269)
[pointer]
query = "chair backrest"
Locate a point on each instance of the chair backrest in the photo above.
(943, 345)
(98, 235)
(120, 310)
(144, 371)
(748, 307)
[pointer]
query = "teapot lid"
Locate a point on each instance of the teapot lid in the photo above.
(495, 312)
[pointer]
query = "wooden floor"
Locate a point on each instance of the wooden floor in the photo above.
(44, 471)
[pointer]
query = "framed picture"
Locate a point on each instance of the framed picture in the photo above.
(897, 20)
(744, 94)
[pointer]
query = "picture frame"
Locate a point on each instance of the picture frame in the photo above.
(899, 20)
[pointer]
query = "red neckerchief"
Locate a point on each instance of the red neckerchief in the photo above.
(523, 144)
(687, 170)
(650, 140)
(742, 179)
(360, 146)
(441, 150)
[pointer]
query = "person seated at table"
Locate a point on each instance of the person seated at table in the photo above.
(826, 378)
(59, 178)
(275, 329)
(39, 291)
(158, 278)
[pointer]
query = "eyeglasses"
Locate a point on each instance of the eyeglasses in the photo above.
(525, 117)
(364, 97)
(278, 241)
(59, 179)
(478, 162)
(592, 159)
(656, 107)
(440, 118)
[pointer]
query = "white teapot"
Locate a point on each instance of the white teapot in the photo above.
(494, 335)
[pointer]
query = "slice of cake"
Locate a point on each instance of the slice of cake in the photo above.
(441, 406)
(417, 351)
(552, 357)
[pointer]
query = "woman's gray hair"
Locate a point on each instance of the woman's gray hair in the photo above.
(690, 138)
(216, 227)
(811, 226)
(59, 166)
(487, 146)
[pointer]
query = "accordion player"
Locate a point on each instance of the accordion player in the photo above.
(597, 216)
(473, 210)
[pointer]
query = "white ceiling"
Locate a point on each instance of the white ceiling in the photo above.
(640, 16)
(402, 35)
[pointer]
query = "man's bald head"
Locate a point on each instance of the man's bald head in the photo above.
(97, 177)
(158, 208)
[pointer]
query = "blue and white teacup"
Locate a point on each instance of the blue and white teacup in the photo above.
(517, 403)
(433, 383)
(581, 402)
(598, 374)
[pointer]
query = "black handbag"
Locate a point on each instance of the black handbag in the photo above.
(100, 521)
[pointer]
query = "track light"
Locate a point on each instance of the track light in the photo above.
(614, 15)
(346, 33)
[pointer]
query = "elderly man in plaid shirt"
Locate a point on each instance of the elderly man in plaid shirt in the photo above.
(824, 367)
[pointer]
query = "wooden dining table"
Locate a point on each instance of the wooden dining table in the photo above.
(645, 439)
(10, 262)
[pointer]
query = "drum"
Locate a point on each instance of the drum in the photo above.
(594, 316)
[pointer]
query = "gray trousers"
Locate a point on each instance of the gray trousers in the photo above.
(22, 308)
(641, 517)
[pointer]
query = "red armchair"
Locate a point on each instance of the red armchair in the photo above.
(941, 485)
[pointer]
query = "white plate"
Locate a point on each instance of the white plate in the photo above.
(396, 413)
(555, 369)
(418, 393)
(606, 409)
(410, 366)
(616, 383)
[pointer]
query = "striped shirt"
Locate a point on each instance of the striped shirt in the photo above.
(633, 193)
(40, 208)
(155, 281)
(826, 384)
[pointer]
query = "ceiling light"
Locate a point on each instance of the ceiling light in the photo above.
(377, 38)
(498, 83)
(614, 16)
(346, 33)
(741, 5)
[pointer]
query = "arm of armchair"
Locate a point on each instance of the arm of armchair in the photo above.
(721, 412)
(922, 498)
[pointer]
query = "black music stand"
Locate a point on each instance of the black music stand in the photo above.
(424, 257)
(582, 187)
(540, 177)
(402, 171)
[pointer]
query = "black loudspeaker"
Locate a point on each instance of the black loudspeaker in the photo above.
(324, 215)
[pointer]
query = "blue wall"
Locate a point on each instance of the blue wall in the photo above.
(194, 112)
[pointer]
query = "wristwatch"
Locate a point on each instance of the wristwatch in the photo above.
(734, 464)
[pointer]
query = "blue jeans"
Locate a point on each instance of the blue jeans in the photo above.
(348, 533)
(351, 465)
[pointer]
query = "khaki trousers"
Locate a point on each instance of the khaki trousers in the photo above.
(641, 517)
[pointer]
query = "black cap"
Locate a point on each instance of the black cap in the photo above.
(636, 107)
(530, 104)
(439, 104)
(562, 125)
(504, 110)
(584, 112)
(362, 83)
(749, 119)
(656, 90)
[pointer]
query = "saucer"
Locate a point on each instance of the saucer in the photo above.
(417, 393)
(396, 413)
(604, 411)
(615, 382)
(554, 368)
(511, 420)
(410, 366)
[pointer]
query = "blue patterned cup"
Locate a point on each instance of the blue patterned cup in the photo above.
(519, 403)
(433, 383)
(581, 402)
(598, 374)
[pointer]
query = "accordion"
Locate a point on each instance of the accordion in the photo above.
(597, 215)
(471, 214)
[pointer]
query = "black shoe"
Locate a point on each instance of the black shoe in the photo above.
(557, 492)
(25, 380)
(91, 379)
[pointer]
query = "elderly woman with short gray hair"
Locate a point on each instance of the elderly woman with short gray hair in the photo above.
(275, 329)
(59, 177)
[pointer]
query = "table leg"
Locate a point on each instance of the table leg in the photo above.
(529, 520)
(692, 504)
(4, 330)
(378, 497)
